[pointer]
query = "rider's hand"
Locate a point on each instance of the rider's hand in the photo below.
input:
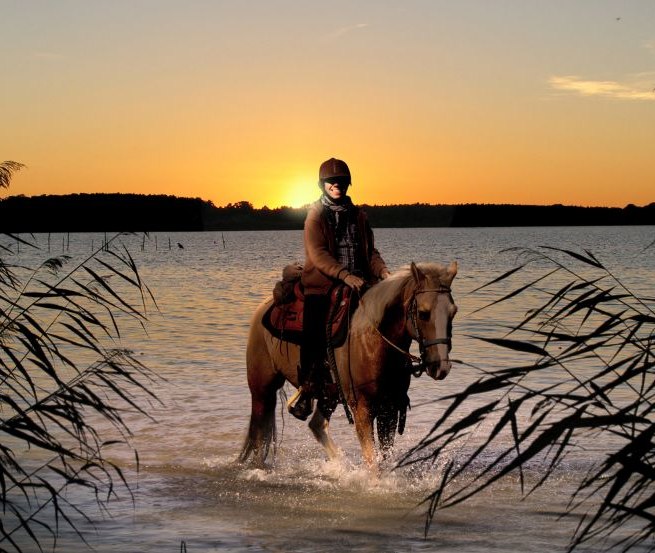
(385, 274)
(354, 282)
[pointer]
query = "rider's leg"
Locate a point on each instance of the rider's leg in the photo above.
(312, 353)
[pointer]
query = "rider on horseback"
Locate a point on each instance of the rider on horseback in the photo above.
(339, 247)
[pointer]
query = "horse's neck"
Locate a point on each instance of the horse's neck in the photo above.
(383, 309)
(394, 322)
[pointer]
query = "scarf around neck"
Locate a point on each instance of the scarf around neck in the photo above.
(344, 205)
(342, 218)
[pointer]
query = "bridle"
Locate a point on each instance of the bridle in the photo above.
(424, 344)
(416, 364)
(413, 308)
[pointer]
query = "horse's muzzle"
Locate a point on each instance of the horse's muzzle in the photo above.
(438, 370)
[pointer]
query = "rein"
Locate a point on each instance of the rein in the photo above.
(416, 365)
(332, 362)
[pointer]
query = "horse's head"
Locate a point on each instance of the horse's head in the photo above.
(430, 312)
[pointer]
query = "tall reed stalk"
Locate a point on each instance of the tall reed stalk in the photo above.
(66, 386)
(595, 335)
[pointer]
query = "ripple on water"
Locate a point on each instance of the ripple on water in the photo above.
(189, 488)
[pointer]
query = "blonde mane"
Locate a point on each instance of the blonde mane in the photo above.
(376, 300)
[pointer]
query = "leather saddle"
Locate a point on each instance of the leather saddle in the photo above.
(284, 320)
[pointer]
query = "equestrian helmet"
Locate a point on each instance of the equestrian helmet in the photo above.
(333, 168)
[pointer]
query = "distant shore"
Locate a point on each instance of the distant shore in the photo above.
(136, 212)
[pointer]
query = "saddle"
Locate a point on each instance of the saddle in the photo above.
(284, 320)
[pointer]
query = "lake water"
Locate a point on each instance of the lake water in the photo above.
(189, 489)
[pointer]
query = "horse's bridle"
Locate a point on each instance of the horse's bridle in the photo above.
(417, 364)
(414, 315)
(424, 344)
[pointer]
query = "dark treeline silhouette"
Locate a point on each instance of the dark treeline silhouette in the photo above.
(135, 212)
(100, 212)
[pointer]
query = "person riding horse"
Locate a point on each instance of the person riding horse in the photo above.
(339, 247)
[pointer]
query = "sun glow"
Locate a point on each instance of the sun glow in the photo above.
(240, 108)
(299, 193)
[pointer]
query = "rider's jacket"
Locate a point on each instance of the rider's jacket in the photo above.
(321, 269)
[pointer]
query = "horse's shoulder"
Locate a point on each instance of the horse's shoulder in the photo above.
(263, 306)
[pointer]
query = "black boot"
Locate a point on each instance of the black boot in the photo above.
(303, 406)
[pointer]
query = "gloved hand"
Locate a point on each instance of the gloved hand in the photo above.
(354, 282)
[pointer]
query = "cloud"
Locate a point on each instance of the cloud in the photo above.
(642, 87)
(343, 30)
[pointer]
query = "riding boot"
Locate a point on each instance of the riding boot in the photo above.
(304, 405)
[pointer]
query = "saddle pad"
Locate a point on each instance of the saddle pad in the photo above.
(285, 321)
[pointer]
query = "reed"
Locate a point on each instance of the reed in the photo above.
(587, 325)
(66, 387)
(7, 170)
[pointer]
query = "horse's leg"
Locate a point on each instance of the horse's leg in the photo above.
(387, 422)
(364, 427)
(391, 404)
(261, 430)
(319, 424)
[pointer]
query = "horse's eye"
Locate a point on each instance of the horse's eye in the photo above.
(424, 315)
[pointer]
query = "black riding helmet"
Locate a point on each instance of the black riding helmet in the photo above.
(333, 171)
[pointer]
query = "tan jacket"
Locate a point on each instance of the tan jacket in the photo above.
(321, 269)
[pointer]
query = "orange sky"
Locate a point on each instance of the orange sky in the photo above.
(428, 101)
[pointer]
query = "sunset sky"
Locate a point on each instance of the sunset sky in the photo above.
(486, 101)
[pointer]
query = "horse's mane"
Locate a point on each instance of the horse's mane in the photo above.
(376, 300)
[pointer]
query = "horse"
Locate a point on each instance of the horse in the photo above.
(373, 365)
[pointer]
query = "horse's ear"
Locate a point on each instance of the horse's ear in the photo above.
(418, 275)
(452, 271)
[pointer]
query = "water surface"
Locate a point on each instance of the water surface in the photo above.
(207, 285)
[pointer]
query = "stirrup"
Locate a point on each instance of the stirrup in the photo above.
(294, 398)
(300, 405)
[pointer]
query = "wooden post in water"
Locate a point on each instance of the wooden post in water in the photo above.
(223, 238)
(156, 246)
(48, 242)
(68, 241)
(169, 243)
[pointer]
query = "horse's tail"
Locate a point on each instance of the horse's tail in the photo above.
(261, 438)
(264, 381)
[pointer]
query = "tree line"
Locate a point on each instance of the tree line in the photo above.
(138, 212)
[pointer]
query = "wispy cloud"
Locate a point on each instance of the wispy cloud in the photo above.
(640, 87)
(348, 29)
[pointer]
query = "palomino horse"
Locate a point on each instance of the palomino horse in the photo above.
(415, 303)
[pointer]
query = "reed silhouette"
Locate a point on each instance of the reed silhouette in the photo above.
(67, 385)
(590, 328)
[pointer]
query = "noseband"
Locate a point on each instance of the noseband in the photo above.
(424, 344)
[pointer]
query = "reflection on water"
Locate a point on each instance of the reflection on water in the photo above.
(315, 506)
(189, 488)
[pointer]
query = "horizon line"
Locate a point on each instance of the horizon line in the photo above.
(306, 206)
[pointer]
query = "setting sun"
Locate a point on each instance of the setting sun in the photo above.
(429, 102)
(298, 193)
